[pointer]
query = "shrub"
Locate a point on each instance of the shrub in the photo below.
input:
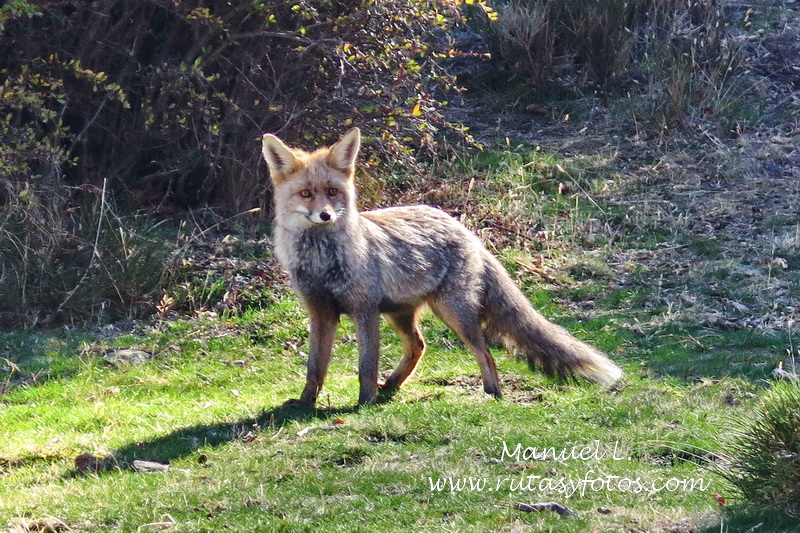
(168, 99)
(765, 450)
(687, 64)
(673, 54)
(69, 259)
(523, 35)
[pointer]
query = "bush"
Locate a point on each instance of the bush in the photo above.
(167, 100)
(674, 54)
(765, 451)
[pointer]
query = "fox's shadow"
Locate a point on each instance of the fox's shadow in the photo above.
(186, 440)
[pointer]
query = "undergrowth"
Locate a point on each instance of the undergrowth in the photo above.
(75, 259)
(765, 450)
(670, 65)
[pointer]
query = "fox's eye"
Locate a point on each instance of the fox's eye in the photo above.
(333, 191)
(305, 193)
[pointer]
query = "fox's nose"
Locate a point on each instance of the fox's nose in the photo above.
(325, 216)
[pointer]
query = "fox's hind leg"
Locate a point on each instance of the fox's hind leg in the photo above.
(406, 324)
(463, 319)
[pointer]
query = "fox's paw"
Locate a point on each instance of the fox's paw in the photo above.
(297, 403)
(493, 391)
(386, 391)
(388, 385)
(368, 398)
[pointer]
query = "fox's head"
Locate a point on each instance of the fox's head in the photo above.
(312, 188)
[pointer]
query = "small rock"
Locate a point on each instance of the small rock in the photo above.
(779, 262)
(126, 356)
(780, 373)
(149, 466)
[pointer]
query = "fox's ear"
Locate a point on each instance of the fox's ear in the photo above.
(342, 155)
(280, 159)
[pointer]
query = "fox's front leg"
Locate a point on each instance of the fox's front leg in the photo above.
(368, 330)
(323, 331)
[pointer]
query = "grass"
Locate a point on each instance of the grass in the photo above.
(209, 402)
(191, 406)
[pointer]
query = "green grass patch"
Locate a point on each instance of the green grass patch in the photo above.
(209, 404)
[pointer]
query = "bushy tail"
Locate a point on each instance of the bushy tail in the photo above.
(509, 316)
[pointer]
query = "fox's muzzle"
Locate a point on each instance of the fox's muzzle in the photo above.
(326, 216)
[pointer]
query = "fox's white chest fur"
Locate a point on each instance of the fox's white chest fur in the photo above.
(324, 262)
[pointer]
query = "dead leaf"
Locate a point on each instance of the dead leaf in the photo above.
(248, 436)
(779, 262)
(337, 423)
(166, 522)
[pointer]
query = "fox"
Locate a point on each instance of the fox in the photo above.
(394, 262)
